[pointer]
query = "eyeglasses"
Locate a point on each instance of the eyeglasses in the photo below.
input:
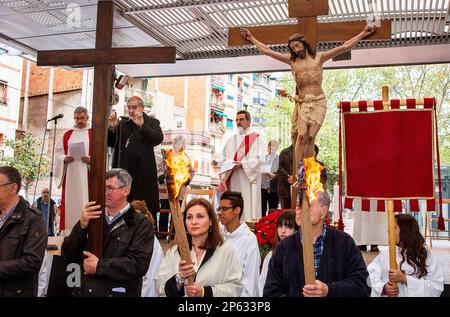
(223, 209)
(241, 119)
(111, 189)
(6, 184)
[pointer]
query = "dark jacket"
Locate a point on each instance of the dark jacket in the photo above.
(127, 250)
(133, 151)
(284, 170)
(23, 239)
(341, 267)
(51, 214)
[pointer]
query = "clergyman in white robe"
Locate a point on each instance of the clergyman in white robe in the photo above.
(430, 285)
(246, 248)
(247, 179)
(369, 228)
(73, 177)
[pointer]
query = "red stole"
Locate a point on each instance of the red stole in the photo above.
(66, 138)
(246, 144)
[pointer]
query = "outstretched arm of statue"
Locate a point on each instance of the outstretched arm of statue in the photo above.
(263, 48)
(368, 30)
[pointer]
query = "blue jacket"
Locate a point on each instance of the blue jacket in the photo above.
(341, 267)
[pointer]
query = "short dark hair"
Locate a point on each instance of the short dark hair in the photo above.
(246, 113)
(13, 176)
(236, 200)
(214, 238)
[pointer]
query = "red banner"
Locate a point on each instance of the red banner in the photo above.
(389, 155)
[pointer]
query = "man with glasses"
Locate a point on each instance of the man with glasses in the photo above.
(133, 140)
(241, 239)
(242, 159)
(23, 239)
(127, 243)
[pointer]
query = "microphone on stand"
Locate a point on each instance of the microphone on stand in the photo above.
(59, 116)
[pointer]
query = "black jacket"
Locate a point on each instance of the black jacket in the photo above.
(284, 170)
(133, 151)
(23, 239)
(341, 267)
(127, 250)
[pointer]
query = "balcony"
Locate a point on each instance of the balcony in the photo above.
(216, 128)
(260, 101)
(217, 82)
(217, 104)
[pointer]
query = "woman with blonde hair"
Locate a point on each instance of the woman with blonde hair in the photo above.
(215, 269)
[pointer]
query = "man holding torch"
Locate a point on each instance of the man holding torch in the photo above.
(317, 261)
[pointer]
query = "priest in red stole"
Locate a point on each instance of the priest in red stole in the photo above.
(243, 157)
(71, 170)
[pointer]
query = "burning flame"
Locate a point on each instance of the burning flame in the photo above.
(177, 172)
(313, 171)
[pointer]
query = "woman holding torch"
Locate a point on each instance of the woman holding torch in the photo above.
(214, 271)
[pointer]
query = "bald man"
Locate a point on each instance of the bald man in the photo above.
(133, 140)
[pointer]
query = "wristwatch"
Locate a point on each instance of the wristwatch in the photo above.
(179, 280)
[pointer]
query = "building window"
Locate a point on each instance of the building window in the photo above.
(230, 78)
(3, 92)
(229, 124)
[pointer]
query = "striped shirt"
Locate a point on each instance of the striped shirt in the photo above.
(5, 215)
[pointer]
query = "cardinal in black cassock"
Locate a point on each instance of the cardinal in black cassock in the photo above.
(133, 151)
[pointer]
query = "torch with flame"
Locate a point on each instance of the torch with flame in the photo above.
(313, 172)
(309, 185)
(176, 170)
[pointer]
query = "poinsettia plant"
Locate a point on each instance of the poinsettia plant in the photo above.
(266, 231)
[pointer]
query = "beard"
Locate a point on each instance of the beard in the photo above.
(241, 130)
(301, 54)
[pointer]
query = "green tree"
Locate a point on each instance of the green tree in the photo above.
(26, 159)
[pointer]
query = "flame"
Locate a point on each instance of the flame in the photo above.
(313, 171)
(177, 172)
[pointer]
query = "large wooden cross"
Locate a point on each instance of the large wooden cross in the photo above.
(102, 58)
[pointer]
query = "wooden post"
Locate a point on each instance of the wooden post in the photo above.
(390, 203)
(307, 242)
(101, 97)
(181, 240)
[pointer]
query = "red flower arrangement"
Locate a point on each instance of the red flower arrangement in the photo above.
(266, 231)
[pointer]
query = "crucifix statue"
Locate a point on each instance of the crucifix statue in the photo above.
(306, 63)
(102, 58)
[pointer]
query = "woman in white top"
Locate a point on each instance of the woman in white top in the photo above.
(286, 226)
(418, 272)
(215, 268)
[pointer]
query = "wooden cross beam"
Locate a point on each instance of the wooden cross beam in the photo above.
(102, 58)
(306, 12)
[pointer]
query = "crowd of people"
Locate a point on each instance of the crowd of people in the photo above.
(224, 252)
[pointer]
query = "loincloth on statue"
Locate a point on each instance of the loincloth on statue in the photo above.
(310, 109)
